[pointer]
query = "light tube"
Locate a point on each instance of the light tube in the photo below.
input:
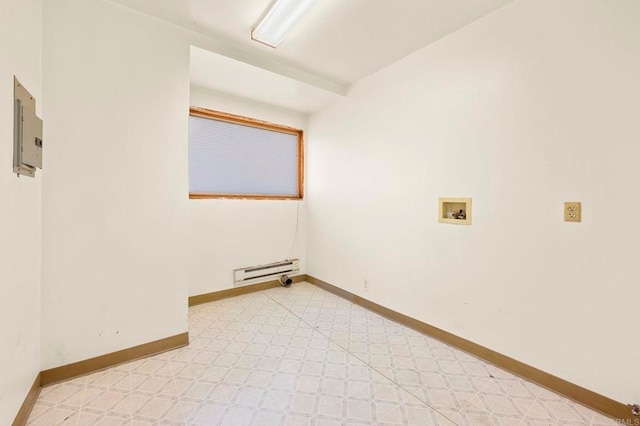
(281, 18)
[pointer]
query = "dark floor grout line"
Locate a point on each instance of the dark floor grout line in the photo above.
(314, 328)
(310, 325)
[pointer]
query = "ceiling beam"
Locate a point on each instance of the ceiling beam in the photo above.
(226, 49)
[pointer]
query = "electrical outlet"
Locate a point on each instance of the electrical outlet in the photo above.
(572, 211)
(365, 285)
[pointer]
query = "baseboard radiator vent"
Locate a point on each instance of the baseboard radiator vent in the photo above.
(252, 274)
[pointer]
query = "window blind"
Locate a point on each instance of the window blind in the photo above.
(230, 158)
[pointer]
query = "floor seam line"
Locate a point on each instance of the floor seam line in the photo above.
(359, 359)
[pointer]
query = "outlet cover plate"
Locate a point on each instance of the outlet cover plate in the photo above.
(572, 211)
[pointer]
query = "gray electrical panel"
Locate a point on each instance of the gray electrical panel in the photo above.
(27, 133)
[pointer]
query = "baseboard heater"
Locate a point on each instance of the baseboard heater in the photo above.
(252, 274)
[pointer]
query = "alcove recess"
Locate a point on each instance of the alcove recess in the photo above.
(449, 211)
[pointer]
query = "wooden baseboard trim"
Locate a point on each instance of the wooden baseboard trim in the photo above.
(29, 402)
(237, 291)
(69, 371)
(590, 399)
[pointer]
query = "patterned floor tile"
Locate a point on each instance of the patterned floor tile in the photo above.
(303, 356)
(52, 416)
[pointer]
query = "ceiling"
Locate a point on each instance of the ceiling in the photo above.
(223, 74)
(340, 41)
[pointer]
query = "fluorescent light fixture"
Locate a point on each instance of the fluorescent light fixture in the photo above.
(281, 18)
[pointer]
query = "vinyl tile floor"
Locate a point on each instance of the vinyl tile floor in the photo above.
(303, 356)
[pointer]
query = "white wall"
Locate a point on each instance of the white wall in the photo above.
(228, 234)
(534, 105)
(118, 224)
(20, 229)
(116, 89)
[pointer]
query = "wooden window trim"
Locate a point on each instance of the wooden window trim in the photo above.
(252, 122)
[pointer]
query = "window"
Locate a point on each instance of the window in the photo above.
(237, 157)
